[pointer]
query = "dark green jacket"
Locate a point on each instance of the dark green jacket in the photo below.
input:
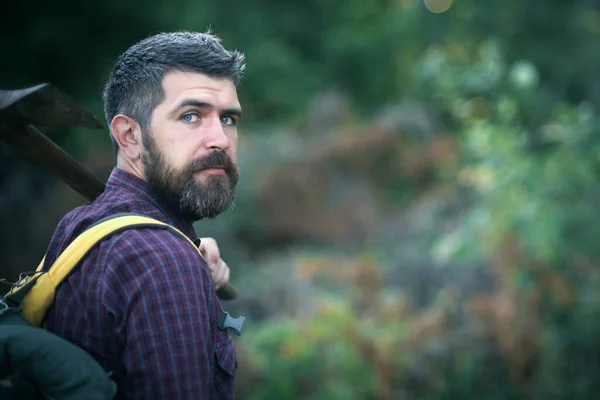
(41, 365)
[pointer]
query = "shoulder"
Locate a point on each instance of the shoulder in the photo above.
(143, 262)
(147, 274)
(150, 247)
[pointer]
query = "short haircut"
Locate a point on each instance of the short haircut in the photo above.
(135, 86)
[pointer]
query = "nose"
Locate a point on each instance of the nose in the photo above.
(217, 138)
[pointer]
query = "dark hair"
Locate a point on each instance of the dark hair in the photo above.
(135, 87)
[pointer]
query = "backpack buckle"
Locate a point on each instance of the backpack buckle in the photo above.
(226, 321)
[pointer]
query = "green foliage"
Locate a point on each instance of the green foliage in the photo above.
(313, 359)
(529, 159)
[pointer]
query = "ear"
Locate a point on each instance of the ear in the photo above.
(128, 135)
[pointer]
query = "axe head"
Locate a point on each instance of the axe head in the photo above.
(44, 105)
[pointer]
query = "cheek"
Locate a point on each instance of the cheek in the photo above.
(183, 150)
(176, 156)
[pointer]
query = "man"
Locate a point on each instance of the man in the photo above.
(143, 303)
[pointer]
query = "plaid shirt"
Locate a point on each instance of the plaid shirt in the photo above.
(142, 302)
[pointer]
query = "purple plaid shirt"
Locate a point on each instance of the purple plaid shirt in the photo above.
(142, 302)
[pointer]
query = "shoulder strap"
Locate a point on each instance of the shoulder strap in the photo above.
(36, 292)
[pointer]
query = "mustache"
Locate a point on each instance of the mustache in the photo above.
(216, 159)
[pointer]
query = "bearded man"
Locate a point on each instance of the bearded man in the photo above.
(143, 302)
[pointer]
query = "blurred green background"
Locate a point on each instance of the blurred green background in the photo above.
(418, 204)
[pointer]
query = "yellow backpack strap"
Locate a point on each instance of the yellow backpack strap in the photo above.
(36, 293)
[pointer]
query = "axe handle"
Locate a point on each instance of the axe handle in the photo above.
(37, 147)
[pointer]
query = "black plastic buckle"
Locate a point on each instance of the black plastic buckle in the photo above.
(226, 321)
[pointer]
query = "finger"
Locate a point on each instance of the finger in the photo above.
(215, 274)
(227, 272)
(215, 271)
(222, 267)
(209, 250)
(224, 274)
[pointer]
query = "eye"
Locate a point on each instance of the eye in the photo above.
(230, 121)
(189, 117)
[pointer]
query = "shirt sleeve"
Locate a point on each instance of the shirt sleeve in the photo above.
(165, 288)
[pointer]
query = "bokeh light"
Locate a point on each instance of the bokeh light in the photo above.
(438, 6)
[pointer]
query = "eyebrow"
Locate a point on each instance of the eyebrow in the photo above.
(202, 104)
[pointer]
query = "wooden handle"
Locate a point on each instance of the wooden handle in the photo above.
(227, 292)
(38, 148)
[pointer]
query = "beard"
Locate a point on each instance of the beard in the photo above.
(181, 191)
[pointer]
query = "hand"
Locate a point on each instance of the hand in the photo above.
(219, 271)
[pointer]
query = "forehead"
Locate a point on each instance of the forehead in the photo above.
(179, 85)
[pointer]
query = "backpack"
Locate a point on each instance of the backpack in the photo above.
(51, 365)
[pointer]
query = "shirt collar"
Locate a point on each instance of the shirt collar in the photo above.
(122, 179)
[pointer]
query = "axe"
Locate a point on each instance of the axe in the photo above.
(45, 105)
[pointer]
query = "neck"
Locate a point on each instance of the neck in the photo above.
(130, 166)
